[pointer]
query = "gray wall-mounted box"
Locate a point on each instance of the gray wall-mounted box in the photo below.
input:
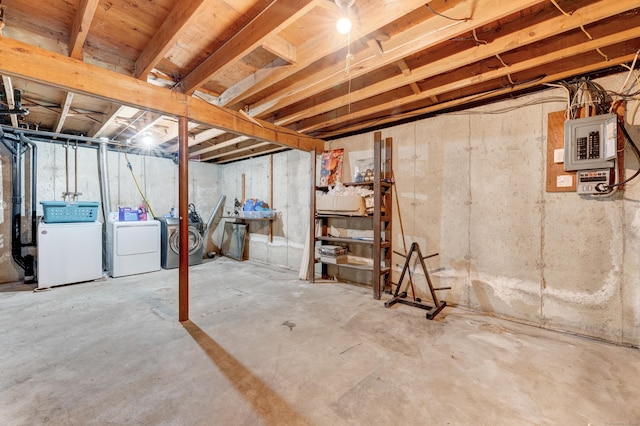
(590, 143)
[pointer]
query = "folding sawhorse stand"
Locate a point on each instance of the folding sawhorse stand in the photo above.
(401, 297)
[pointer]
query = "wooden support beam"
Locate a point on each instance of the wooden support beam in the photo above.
(475, 98)
(534, 33)
(240, 149)
(219, 146)
(22, 60)
(376, 46)
(181, 18)
(183, 224)
(281, 48)
(272, 20)
(11, 102)
(406, 71)
(81, 25)
(197, 139)
(537, 61)
(109, 117)
(377, 12)
(261, 151)
(419, 37)
(64, 112)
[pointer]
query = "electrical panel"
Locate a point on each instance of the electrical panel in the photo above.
(594, 182)
(590, 143)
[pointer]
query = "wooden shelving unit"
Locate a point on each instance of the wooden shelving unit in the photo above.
(379, 247)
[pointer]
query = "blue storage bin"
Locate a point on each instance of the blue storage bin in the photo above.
(62, 211)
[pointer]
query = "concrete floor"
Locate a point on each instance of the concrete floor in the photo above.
(263, 348)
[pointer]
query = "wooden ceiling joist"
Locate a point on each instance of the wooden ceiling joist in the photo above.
(271, 21)
(585, 69)
(81, 25)
(64, 112)
(11, 102)
(23, 60)
(112, 112)
(382, 12)
(424, 35)
(219, 146)
(269, 149)
(282, 63)
(181, 18)
(523, 37)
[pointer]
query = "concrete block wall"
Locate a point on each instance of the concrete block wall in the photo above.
(471, 187)
(157, 177)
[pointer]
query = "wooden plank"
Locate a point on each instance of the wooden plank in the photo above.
(569, 51)
(249, 146)
(281, 48)
(109, 117)
(277, 16)
(555, 140)
(180, 20)
(419, 37)
(64, 112)
(264, 151)
(219, 146)
(21, 60)
(374, 14)
(11, 102)
(480, 97)
(523, 37)
(81, 25)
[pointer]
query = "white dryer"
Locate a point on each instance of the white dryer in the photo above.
(133, 247)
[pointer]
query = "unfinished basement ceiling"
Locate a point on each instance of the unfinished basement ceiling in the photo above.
(284, 62)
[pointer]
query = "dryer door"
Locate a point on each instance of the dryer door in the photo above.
(195, 240)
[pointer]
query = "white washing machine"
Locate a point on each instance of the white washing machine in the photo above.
(69, 253)
(133, 247)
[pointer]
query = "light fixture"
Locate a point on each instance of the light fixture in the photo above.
(147, 140)
(344, 24)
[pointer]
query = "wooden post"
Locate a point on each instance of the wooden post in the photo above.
(271, 196)
(311, 241)
(183, 212)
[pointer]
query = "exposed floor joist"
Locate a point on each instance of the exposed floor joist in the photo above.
(25, 61)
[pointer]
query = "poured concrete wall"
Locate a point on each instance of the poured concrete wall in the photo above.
(471, 187)
(285, 177)
(157, 177)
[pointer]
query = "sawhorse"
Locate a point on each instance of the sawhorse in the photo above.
(401, 297)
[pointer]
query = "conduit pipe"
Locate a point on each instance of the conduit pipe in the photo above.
(103, 174)
(105, 194)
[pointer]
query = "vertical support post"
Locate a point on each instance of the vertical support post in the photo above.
(312, 231)
(271, 196)
(183, 212)
(377, 190)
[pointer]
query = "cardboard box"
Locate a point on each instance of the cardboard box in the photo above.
(350, 205)
(336, 260)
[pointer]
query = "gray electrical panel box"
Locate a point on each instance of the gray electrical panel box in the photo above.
(590, 143)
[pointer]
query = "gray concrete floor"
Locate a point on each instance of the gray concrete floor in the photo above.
(263, 348)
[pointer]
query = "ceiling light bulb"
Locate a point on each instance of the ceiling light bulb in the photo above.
(344, 25)
(147, 140)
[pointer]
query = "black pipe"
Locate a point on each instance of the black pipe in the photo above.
(34, 187)
(17, 150)
(16, 203)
